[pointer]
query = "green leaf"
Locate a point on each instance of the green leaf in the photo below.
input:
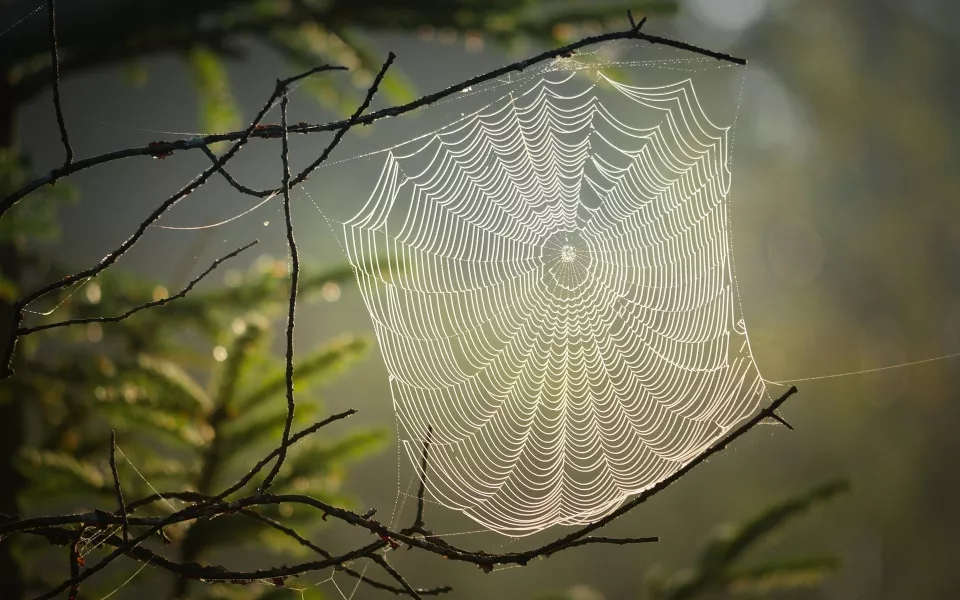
(396, 86)
(716, 565)
(246, 432)
(796, 573)
(173, 428)
(322, 458)
(722, 552)
(176, 389)
(317, 367)
(63, 466)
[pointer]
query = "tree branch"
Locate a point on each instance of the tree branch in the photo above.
(213, 507)
(294, 282)
(418, 524)
(165, 148)
(205, 507)
(291, 243)
(380, 560)
(233, 182)
(6, 368)
(55, 60)
(186, 290)
(428, 542)
(116, 485)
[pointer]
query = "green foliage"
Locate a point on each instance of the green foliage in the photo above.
(718, 568)
(184, 421)
(718, 572)
(34, 220)
(306, 33)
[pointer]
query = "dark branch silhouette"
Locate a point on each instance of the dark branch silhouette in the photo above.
(160, 302)
(6, 368)
(66, 529)
(55, 60)
(294, 282)
(167, 148)
(291, 243)
(116, 485)
(423, 540)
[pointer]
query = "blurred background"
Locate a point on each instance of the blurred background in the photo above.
(846, 236)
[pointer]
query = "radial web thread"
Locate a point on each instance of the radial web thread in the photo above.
(561, 309)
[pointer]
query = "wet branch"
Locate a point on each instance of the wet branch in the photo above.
(166, 148)
(137, 531)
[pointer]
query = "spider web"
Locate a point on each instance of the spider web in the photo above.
(561, 316)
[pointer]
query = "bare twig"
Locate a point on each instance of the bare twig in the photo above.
(216, 573)
(116, 485)
(387, 537)
(196, 571)
(236, 184)
(285, 83)
(380, 560)
(164, 148)
(292, 245)
(611, 541)
(429, 543)
(60, 536)
(196, 511)
(99, 518)
(293, 534)
(186, 290)
(418, 523)
(781, 420)
(345, 126)
(75, 563)
(55, 60)
(636, 26)
(702, 457)
(6, 367)
(276, 451)
(294, 282)
(203, 506)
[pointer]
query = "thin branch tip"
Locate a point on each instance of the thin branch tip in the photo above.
(116, 486)
(55, 72)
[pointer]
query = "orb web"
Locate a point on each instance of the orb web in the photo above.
(562, 311)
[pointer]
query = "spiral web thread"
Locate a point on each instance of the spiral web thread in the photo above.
(563, 312)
